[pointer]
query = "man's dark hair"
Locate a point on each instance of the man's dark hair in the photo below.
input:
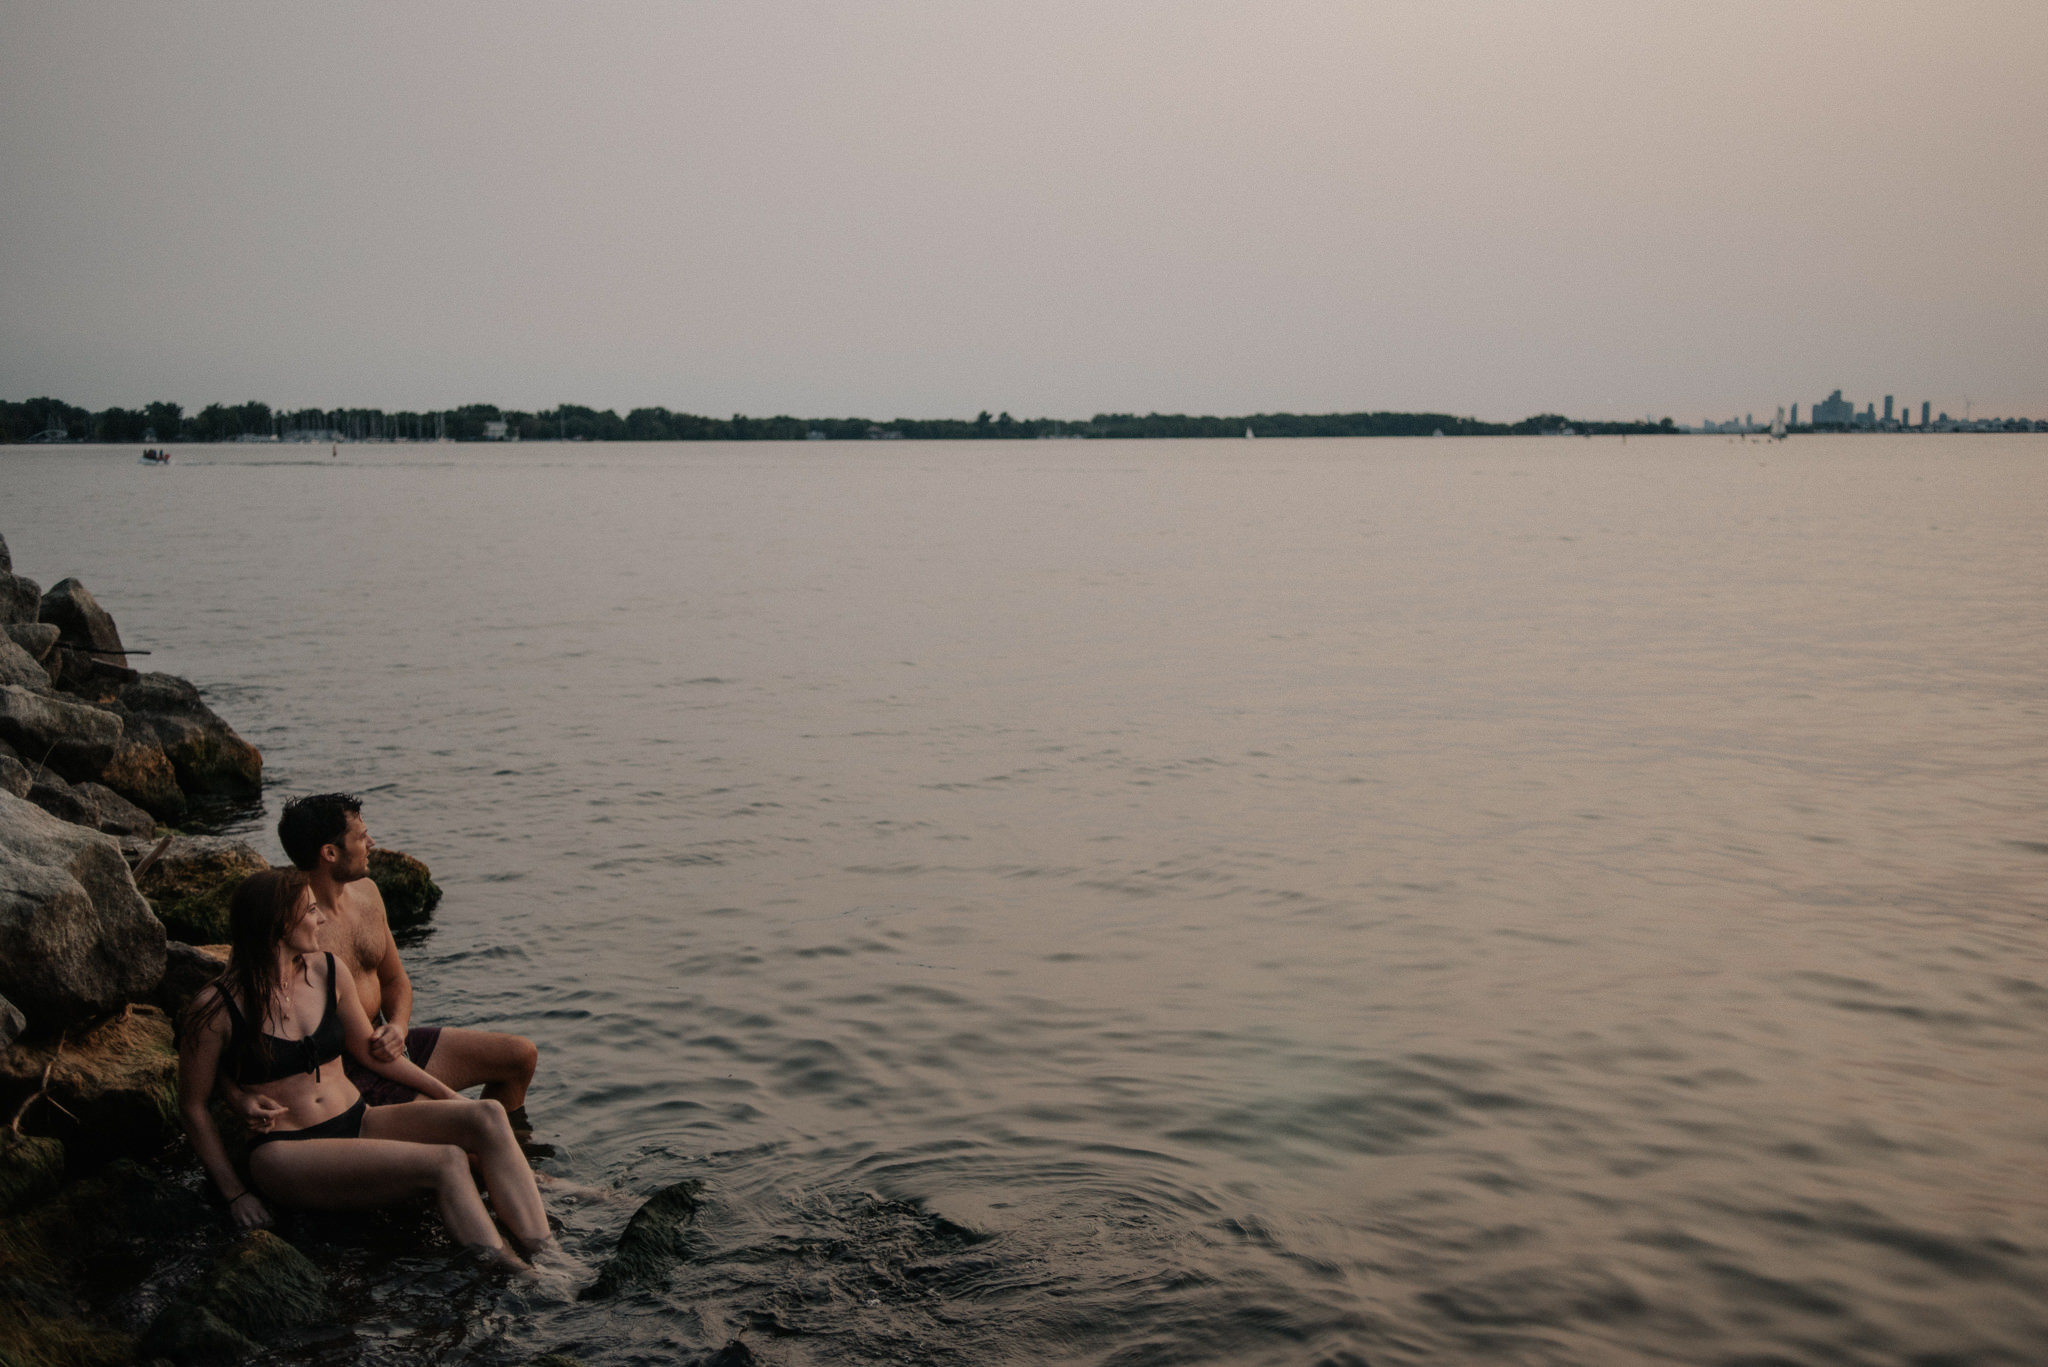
(310, 822)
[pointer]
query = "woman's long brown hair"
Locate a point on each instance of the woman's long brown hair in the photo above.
(260, 914)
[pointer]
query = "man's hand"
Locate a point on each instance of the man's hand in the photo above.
(387, 1043)
(257, 1113)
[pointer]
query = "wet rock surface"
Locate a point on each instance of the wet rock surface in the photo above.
(651, 1245)
(409, 890)
(76, 937)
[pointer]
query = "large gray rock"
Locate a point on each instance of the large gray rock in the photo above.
(19, 667)
(92, 805)
(34, 637)
(75, 740)
(81, 622)
(76, 938)
(19, 598)
(208, 757)
(15, 777)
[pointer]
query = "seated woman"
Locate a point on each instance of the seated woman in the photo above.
(275, 1021)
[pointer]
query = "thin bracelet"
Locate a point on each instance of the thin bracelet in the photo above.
(238, 1195)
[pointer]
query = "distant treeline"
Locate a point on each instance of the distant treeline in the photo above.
(54, 420)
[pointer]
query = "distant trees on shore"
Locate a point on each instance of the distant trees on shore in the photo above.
(53, 420)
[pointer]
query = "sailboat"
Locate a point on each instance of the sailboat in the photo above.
(1778, 425)
(1247, 433)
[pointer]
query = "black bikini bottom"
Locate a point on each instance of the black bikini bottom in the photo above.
(347, 1125)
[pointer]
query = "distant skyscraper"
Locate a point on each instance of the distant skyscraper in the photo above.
(1834, 409)
(1924, 406)
(1887, 408)
(1795, 415)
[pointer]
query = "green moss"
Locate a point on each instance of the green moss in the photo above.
(30, 1169)
(190, 892)
(263, 1283)
(31, 1339)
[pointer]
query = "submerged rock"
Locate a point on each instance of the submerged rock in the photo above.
(651, 1246)
(76, 937)
(409, 890)
(111, 1089)
(263, 1284)
(72, 738)
(209, 758)
(190, 1335)
(189, 886)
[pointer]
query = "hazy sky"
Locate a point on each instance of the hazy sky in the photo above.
(883, 209)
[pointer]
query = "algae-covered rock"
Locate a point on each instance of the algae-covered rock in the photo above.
(410, 892)
(114, 1085)
(29, 1338)
(189, 886)
(31, 1166)
(263, 1284)
(651, 1246)
(192, 1336)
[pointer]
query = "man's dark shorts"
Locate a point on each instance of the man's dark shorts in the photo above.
(379, 1090)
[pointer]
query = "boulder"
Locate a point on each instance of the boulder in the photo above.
(409, 890)
(92, 805)
(87, 677)
(189, 1335)
(20, 598)
(651, 1246)
(141, 772)
(75, 740)
(81, 622)
(190, 885)
(34, 637)
(76, 937)
(6, 556)
(209, 758)
(187, 968)
(12, 1023)
(114, 1085)
(15, 778)
(263, 1284)
(19, 667)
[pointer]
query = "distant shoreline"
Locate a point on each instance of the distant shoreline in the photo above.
(51, 421)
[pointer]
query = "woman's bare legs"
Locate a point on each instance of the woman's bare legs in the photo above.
(480, 1127)
(357, 1174)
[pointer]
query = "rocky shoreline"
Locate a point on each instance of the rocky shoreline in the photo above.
(112, 1247)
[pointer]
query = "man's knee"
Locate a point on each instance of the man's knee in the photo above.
(525, 1057)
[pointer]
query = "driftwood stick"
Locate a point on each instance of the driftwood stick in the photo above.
(149, 860)
(42, 1089)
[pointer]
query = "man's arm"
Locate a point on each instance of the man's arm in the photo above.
(387, 1041)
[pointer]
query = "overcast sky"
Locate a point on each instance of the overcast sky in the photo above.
(1601, 207)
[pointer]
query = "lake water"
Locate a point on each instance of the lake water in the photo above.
(1499, 901)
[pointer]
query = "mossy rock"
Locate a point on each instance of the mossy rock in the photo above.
(31, 1166)
(263, 1284)
(29, 1338)
(189, 887)
(113, 1088)
(410, 892)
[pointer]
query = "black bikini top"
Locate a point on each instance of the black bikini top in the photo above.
(287, 1056)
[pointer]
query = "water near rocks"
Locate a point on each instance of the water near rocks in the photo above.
(1519, 901)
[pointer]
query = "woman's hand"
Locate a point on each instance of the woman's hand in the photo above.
(249, 1212)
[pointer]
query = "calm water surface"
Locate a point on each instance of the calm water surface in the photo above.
(1503, 901)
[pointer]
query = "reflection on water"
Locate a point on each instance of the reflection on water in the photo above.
(1496, 901)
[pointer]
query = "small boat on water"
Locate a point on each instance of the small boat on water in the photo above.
(156, 456)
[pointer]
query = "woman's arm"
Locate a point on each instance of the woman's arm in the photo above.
(355, 1027)
(198, 1063)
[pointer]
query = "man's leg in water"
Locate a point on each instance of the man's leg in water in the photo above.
(504, 1064)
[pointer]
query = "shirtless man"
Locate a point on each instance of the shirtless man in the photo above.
(325, 836)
